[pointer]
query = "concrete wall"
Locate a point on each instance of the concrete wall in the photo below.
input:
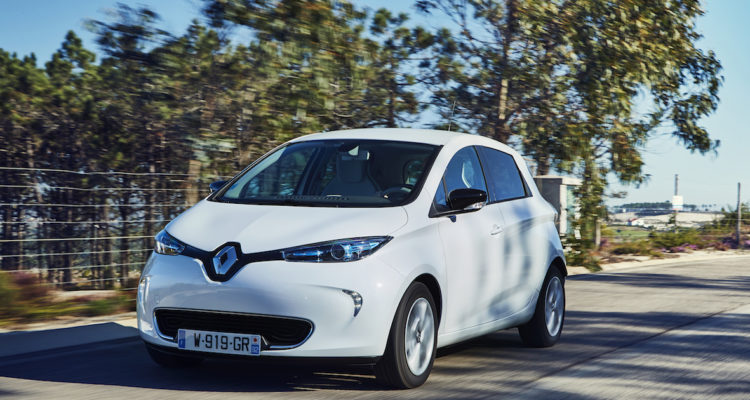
(557, 190)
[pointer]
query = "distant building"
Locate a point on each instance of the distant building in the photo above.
(662, 220)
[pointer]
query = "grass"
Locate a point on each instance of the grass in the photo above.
(640, 247)
(627, 233)
(23, 299)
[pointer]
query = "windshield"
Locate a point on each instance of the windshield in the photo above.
(335, 173)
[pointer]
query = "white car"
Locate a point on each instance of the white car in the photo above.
(374, 245)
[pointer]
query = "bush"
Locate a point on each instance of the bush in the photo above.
(29, 286)
(101, 307)
(641, 248)
(23, 299)
(578, 253)
(108, 306)
(678, 239)
(8, 294)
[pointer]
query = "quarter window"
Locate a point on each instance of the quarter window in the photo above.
(503, 176)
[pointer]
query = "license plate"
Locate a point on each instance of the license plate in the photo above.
(219, 342)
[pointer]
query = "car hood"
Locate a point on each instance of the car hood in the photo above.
(209, 224)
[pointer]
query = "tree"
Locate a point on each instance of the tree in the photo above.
(328, 74)
(390, 99)
(22, 88)
(564, 78)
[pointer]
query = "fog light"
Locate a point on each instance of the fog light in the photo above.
(356, 298)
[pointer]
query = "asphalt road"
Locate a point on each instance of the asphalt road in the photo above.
(674, 331)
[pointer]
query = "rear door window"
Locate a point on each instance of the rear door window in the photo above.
(503, 176)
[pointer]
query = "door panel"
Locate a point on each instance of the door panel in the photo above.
(521, 249)
(471, 242)
(471, 255)
(510, 197)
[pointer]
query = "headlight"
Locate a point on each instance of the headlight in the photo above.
(166, 244)
(336, 250)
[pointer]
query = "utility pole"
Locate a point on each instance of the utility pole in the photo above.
(739, 217)
(674, 205)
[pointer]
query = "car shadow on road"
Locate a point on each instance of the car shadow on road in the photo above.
(128, 364)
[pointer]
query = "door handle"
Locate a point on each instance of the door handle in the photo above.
(496, 229)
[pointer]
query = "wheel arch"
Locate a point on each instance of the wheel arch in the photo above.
(560, 265)
(434, 287)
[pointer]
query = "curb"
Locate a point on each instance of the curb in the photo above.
(630, 265)
(126, 319)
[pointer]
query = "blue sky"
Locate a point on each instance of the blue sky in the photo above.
(39, 26)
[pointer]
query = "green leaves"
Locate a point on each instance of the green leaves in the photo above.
(566, 80)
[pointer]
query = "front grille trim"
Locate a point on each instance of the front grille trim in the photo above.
(270, 346)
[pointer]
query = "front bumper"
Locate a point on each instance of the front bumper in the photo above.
(316, 292)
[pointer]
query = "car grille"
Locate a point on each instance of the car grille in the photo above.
(277, 331)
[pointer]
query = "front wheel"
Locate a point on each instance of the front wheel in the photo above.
(410, 351)
(546, 325)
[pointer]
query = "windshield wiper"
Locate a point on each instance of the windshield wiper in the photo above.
(298, 200)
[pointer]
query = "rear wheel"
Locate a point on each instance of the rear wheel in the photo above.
(410, 351)
(170, 360)
(546, 325)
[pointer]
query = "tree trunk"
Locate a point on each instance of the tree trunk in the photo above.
(21, 237)
(542, 164)
(124, 232)
(502, 131)
(107, 274)
(7, 235)
(392, 100)
(67, 277)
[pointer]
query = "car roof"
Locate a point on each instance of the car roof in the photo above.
(428, 136)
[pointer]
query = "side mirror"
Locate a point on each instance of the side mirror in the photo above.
(467, 199)
(215, 186)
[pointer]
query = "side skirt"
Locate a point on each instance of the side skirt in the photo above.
(515, 319)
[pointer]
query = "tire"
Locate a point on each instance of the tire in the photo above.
(169, 360)
(545, 327)
(413, 330)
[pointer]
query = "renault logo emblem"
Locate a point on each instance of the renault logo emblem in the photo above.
(224, 259)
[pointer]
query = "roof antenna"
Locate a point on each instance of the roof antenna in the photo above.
(450, 121)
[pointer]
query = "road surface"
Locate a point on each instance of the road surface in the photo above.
(669, 331)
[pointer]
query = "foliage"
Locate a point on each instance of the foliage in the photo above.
(729, 218)
(640, 247)
(563, 78)
(24, 299)
(579, 255)
(675, 239)
(8, 295)
(108, 306)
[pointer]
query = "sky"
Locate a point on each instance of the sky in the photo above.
(39, 26)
